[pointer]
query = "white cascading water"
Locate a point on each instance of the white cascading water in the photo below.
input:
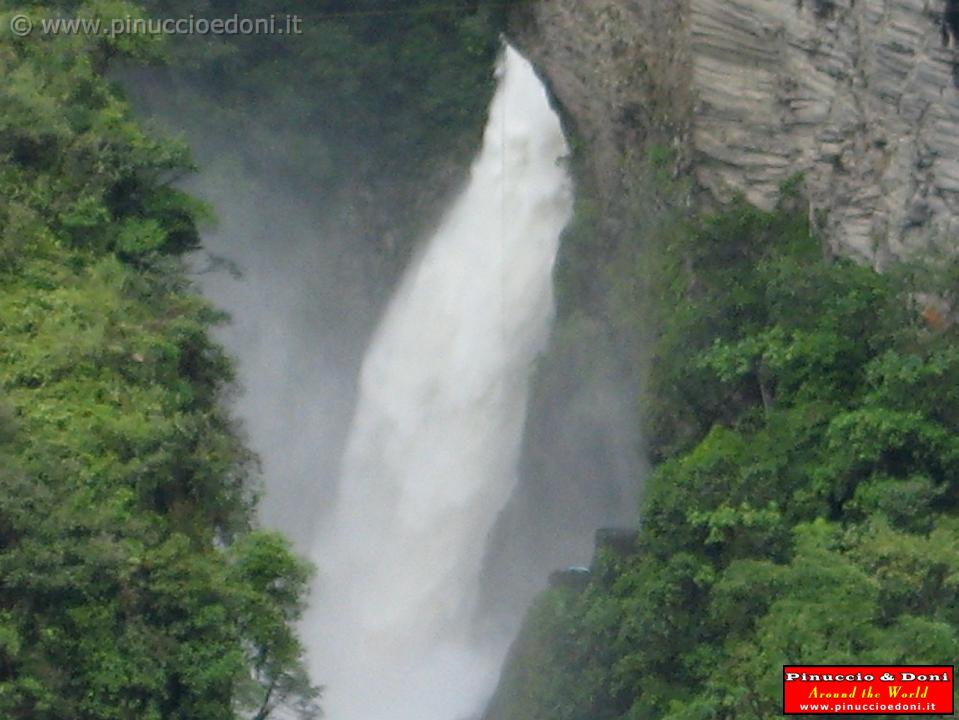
(433, 448)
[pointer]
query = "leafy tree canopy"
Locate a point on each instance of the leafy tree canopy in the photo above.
(802, 412)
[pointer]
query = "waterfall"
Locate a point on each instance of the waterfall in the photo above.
(431, 457)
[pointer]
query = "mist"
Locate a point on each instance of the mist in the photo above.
(301, 291)
(297, 344)
(306, 295)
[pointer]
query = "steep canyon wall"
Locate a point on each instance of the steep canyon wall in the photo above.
(858, 95)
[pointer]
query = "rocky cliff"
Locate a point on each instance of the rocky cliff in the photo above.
(858, 95)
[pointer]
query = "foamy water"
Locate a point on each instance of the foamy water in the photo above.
(433, 448)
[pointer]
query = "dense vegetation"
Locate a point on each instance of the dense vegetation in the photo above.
(134, 584)
(801, 411)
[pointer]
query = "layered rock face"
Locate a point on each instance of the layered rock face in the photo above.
(858, 95)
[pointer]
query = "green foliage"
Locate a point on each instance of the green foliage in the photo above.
(803, 509)
(133, 585)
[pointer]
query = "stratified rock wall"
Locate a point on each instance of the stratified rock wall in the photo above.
(858, 95)
(619, 70)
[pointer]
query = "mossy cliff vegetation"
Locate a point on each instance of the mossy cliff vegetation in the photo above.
(134, 583)
(801, 413)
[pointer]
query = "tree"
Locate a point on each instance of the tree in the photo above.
(134, 584)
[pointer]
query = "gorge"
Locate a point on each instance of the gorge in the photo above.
(609, 454)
